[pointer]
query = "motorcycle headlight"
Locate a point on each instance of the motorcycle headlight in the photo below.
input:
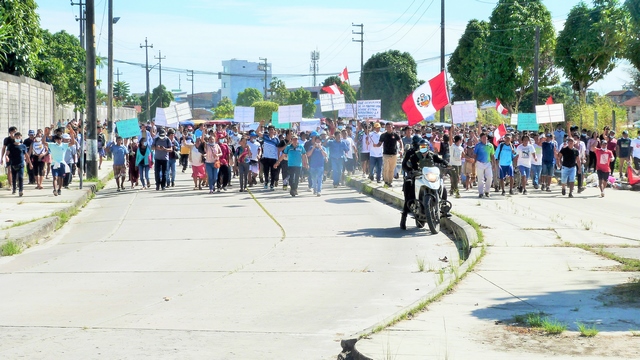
(430, 175)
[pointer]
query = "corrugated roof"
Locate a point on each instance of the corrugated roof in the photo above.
(617, 92)
(632, 102)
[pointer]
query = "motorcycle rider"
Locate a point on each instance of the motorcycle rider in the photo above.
(414, 160)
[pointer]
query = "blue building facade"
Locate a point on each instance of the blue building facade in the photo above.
(238, 75)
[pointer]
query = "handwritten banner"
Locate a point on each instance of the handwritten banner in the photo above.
(369, 109)
(128, 128)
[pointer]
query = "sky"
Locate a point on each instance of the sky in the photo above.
(200, 34)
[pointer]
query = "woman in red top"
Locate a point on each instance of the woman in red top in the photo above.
(224, 174)
(243, 154)
(603, 158)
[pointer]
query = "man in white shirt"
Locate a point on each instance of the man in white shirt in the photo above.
(635, 145)
(524, 153)
(351, 155)
(364, 142)
(375, 154)
(456, 150)
(536, 163)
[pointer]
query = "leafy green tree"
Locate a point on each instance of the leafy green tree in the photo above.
(224, 110)
(349, 93)
(160, 97)
(62, 63)
(303, 97)
(466, 65)
(591, 41)
(561, 94)
(389, 76)
(633, 44)
(509, 61)
(583, 115)
(278, 91)
(264, 109)
(248, 97)
(23, 43)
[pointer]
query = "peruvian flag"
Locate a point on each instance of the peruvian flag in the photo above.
(333, 89)
(499, 133)
(344, 75)
(549, 101)
(501, 109)
(426, 99)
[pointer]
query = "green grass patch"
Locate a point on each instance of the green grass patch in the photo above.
(538, 320)
(587, 331)
(420, 262)
(4, 182)
(632, 265)
(474, 225)
(10, 248)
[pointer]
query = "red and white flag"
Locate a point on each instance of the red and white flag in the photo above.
(344, 75)
(333, 89)
(426, 99)
(499, 133)
(501, 109)
(549, 101)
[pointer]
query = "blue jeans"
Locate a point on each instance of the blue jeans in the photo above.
(212, 175)
(171, 171)
(536, 170)
(315, 177)
(144, 174)
(375, 163)
(336, 170)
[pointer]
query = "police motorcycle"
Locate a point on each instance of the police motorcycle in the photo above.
(430, 203)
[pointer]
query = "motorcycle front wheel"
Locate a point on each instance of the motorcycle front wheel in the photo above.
(431, 210)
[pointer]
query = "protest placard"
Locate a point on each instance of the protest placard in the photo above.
(128, 128)
(369, 109)
(463, 112)
(528, 122)
(349, 111)
(331, 102)
(289, 114)
(550, 113)
(309, 124)
(244, 114)
(276, 124)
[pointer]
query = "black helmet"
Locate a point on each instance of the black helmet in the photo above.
(423, 141)
(415, 141)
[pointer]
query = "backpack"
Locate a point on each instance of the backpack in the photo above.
(500, 151)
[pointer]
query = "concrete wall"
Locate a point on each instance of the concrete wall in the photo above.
(29, 105)
(24, 103)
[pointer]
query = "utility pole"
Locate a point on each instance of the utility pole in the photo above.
(264, 67)
(179, 81)
(536, 69)
(118, 73)
(361, 41)
(147, 46)
(315, 57)
(442, 64)
(92, 136)
(81, 19)
(190, 78)
(160, 58)
(110, 69)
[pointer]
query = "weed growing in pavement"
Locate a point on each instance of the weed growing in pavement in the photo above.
(569, 267)
(587, 225)
(440, 278)
(10, 248)
(420, 262)
(575, 309)
(634, 333)
(553, 327)
(587, 331)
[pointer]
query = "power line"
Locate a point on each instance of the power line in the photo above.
(394, 21)
(403, 26)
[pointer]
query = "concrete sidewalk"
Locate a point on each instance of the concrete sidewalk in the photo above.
(32, 218)
(537, 260)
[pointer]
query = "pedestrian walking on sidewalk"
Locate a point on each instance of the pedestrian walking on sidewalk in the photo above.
(317, 156)
(568, 157)
(57, 149)
(296, 158)
(337, 150)
(212, 160)
(603, 159)
(134, 174)
(525, 153)
(389, 142)
(119, 153)
(375, 154)
(484, 159)
(143, 162)
(162, 146)
(16, 154)
(243, 156)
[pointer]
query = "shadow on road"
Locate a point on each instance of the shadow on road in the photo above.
(384, 233)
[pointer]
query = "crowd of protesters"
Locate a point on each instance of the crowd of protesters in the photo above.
(217, 154)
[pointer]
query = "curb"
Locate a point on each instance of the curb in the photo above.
(464, 236)
(40, 230)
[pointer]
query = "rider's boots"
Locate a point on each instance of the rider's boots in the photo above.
(403, 221)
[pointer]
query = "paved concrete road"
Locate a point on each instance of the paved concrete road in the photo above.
(184, 274)
(532, 266)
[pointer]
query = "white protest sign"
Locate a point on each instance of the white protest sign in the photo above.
(184, 112)
(550, 113)
(289, 114)
(331, 102)
(463, 112)
(514, 119)
(167, 117)
(369, 109)
(309, 124)
(249, 126)
(349, 111)
(244, 114)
